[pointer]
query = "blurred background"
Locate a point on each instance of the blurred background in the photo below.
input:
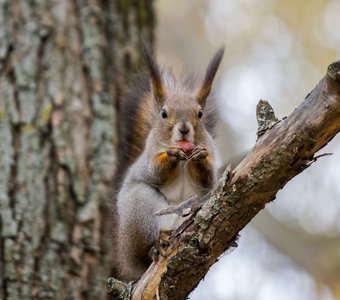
(277, 51)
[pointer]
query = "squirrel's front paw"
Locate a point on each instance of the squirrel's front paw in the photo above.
(176, 153)
(198, 153)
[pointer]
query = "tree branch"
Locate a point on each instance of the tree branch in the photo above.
(283, 150)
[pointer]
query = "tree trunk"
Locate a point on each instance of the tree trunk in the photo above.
(63, 65)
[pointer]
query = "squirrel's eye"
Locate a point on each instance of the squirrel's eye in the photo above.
(164, 113)
(200, 113)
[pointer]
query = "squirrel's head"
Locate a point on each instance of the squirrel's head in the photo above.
(181, 112)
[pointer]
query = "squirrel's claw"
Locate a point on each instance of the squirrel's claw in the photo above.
(198, 153)
(176, 153)
(162, 244)
(154, 253)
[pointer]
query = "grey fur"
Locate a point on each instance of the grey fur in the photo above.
(156, 180)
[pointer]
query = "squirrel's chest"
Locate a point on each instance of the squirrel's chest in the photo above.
(181, 188)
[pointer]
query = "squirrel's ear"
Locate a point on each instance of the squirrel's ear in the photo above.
(154, 72)
(205, 88)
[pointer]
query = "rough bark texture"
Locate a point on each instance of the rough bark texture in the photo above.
(59, 87)
(283, 150)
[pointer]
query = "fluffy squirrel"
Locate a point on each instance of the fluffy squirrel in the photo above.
(167, 154)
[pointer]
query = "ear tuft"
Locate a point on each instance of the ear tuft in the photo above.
(154, 72)
(205, 88)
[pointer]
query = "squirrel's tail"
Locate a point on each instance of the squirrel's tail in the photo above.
(135, 122)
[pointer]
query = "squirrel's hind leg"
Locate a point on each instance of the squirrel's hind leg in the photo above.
(162, 244)
(139, 227)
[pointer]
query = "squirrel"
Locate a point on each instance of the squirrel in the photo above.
(166, 155)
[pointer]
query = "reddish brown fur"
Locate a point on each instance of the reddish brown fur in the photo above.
(167, 170)
(201, 170)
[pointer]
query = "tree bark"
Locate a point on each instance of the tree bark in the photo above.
(63, 65)
(283, 150)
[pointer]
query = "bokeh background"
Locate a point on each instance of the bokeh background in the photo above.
(277, 51)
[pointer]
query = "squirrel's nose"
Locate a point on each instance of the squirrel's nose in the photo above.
(183, 129)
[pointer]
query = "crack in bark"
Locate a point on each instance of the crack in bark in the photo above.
(6, 63)
(16, 146)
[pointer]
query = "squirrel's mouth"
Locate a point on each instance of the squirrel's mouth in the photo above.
(184, 141)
